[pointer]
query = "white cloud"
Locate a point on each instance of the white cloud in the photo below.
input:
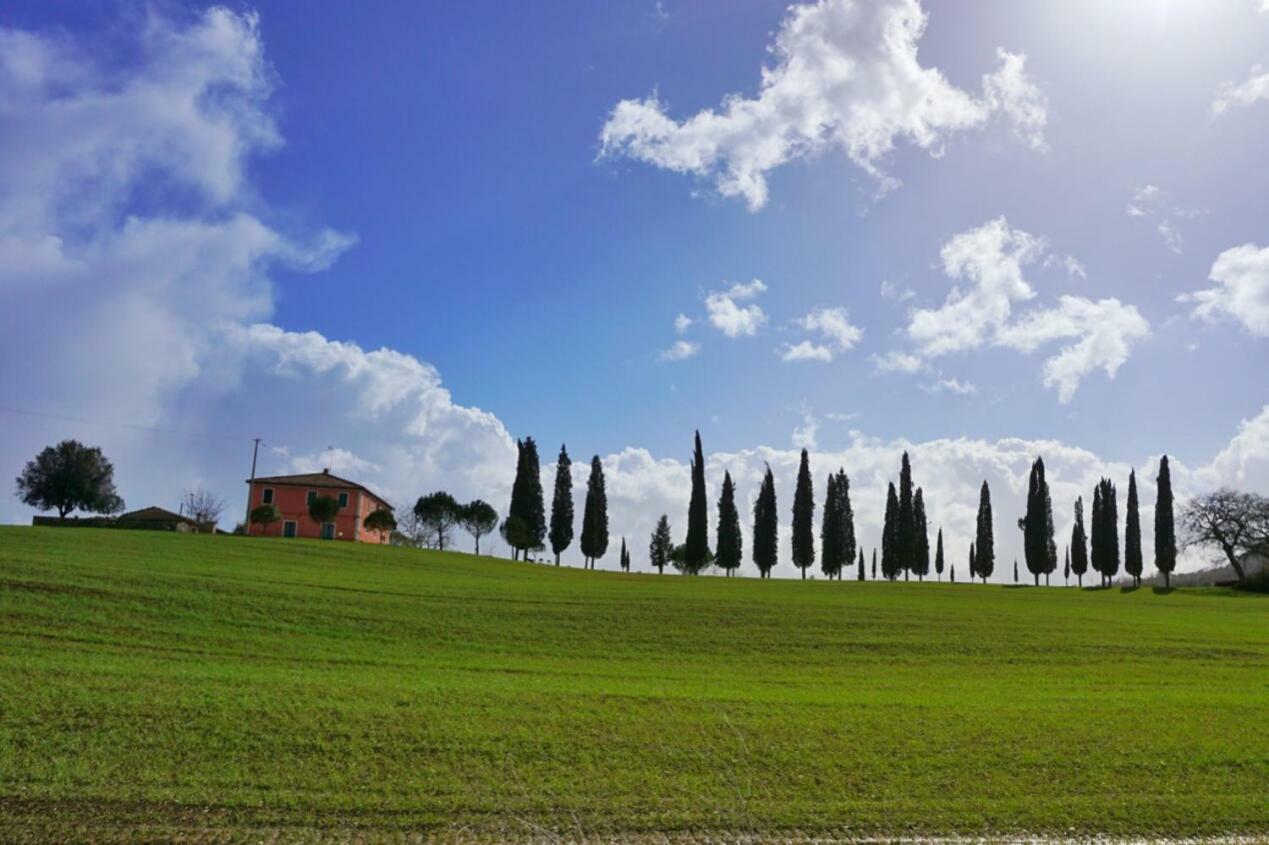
(1251, 90)
(889, 290)
(846, 76)
(804, 436)
(896, 361)
(682, 323)
(952, 385)
(1153, 201)
(680, 350)
(735, 320)
(1242, 292)
(833, 326)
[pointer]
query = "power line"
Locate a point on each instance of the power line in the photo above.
(132, 426)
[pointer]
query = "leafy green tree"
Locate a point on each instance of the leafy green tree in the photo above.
(985, 544)
(266, 515)
(766, 526)
(938, 555)
(1164, 525)
(323, 509)
(696, 547)
(804, 518)
(438, 513)
(1105, 540)
(595, 515)
(905, 525)
(730, 543)
(662, 545)
(1038, 544)
(478, 518)
(562, 505)
(1079, 544)
(1133, 563)
(921, 538)
(890, 566)
(382, 520)
(68, 477)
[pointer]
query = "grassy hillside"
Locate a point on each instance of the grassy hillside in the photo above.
(152, 684)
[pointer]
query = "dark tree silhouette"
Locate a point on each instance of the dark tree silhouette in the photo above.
(861, 563)
(804, 518)
(938, 555)
(874, 563)
(526, 499)
(1079, 544)
(438, 513)
(973, 564)
(595, 515)
(1236, 523)
(985, 544)
(562, 505)
(69, 477)
(905, 526)
(662, 545)
(623, 559)
(478, 518)
(696, 547)
(846, 518)
(730, 543)
(1015, 571)
(266, 515)
(1066, 571)
(324, 509)
(765, 527)
(921, 544)
(890, 566)
(831, 552)
(383, 520)
(1133, 563)
(1164, 525)
(1105, 540)
(1038, 544)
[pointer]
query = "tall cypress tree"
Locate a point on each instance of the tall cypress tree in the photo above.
(595, 515)
(623, 559)
(861, 564)
(985, 544)
(1164, 526)
(874, 563)
(562, 506)
(846, 519)
(527, 504)
(1105, 539)
(1037, 526)
(662, 545)
(517, 498)
(905, 527)
(890, 566)
(730, 550)
(766, 527)
(1133, 563)
(1066, 571)
(804, 518)
(1079, 544)
(1015, 571)
(831, 552)
(696, 547)
(921, 550)
(938, 555)
(973, 565)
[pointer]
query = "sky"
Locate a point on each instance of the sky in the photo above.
(393, 240)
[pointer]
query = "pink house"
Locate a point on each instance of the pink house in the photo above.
(291, 495)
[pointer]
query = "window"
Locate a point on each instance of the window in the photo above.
(288, 528)
(328, 531)
(312, 494)
(267, 498)
(343, 500)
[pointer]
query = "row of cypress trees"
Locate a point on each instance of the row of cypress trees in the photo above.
(905, 544)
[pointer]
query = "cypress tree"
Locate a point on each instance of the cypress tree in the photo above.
(973, 565)
(1037, 526)
(874, 563)
(562, 506)
(1015, 571)
(1079, 544)
(938, 555)
(1164, 526)
(831, 551)
(846, 517)
(526, 498)
(905, 527)
(804, 518)
(765, 526)
(889, 536)
(985, 545)
(696, 547)
(1133, 564)
(921, 556)
(517, 496)
(1066, 571)
(595, 515)
(730, 550)
(1105, 539)
(624, 558)
(952, 574)
(662, 545)
(861, 563)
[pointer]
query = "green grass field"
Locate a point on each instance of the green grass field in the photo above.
(158, 687)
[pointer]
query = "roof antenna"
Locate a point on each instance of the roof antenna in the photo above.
(330, 458)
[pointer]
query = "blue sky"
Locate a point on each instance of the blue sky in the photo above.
(437, 184)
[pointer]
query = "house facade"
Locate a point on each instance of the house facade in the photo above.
(291, 495)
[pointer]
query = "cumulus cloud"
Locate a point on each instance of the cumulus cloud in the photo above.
(680, 350)
(835, 330)
(992, 258)
(1241, 292)
(1251, 90)
(847, 77)
(732, 319)
(682, 323)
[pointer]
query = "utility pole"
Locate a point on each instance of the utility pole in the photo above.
(255, 450)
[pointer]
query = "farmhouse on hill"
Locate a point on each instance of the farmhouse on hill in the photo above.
(291, 495)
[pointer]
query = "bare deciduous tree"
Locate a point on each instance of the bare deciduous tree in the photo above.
(1236, 523)
(204, 507)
